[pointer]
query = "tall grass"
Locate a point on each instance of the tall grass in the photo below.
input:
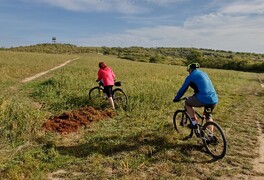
(18, 114)
(138, 143)
(14, 66)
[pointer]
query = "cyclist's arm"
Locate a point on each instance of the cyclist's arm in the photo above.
(183, 89)
(99, 75)
(113, 75)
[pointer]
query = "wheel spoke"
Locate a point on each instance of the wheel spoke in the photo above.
(214, 140)
(120, 98)
(96, 94)
(180, 122)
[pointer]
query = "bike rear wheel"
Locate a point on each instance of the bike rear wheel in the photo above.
(120, 98)
(214, 140)
(180, 122)
(96, 94)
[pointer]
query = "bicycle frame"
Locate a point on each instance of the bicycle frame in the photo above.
(100, 85)
(202, 117)
(199, 115)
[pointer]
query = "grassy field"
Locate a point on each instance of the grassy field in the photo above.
(138, 143)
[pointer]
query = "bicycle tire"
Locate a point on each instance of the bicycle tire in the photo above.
(180, 122)
(216, 146)
(96, 93)
(120, 98)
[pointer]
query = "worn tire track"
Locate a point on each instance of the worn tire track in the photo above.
(45, 72)
(259, 161)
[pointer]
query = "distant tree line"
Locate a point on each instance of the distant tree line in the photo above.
(54, 48)
(208, 58)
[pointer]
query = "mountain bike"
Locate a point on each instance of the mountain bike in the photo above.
(97, 94)
(210, 132)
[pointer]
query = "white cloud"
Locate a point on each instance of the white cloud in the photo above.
(244, 7)
(229, 25)
(120, 6)
(166, 36)
(163, 2)
(218, 30)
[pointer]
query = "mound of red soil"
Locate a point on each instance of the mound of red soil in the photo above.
(72, 121)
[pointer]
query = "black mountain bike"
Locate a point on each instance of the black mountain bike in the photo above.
(120, 99)
(210, 132)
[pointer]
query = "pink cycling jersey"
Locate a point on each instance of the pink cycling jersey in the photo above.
(107, 75)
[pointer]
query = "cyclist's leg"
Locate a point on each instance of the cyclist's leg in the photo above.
(108, 91)
(208, 110)
(190, 103)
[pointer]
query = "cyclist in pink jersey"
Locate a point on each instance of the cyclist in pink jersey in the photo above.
(107, 77)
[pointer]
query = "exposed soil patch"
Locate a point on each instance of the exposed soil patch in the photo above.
(72, 121)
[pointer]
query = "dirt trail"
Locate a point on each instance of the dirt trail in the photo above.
(261, 83)
(45, 72)
(259, 162)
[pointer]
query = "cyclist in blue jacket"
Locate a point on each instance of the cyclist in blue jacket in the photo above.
(204, 93)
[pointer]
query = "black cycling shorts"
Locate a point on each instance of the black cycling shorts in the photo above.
(108, 90)
(208, 109)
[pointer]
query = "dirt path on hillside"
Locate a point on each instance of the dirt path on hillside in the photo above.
(45, 72)
(261, 83)
(259, 161)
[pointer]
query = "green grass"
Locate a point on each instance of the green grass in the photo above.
(139, 143)
(15, 66)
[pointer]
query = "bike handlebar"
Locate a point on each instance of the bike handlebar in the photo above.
(184, 98)
(99, 83)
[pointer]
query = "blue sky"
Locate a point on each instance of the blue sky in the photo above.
(236, 25)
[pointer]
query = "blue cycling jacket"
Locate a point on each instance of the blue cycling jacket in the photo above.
(202, 85)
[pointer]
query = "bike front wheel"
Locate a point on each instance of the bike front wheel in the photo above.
(214, 139)
(180, 122)
(96, 94)
(120, 98)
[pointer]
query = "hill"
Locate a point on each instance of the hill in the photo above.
(208, 58)
(137, 143)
